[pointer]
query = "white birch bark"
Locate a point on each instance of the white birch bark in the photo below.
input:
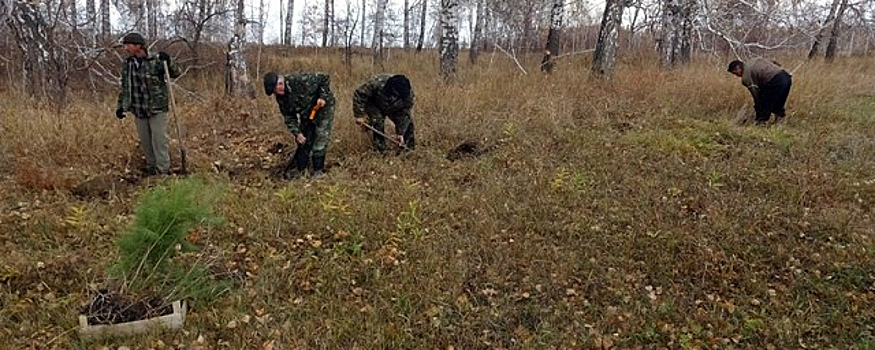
(449, 44)
(605, 55)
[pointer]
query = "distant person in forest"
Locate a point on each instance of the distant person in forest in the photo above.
(307, 105)
(769, 84)
(144, 93)
(384, 96)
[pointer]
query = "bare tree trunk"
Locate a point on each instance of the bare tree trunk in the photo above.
(260, 37)
(364, 21)
(379, 19)
(553, 36)
(138, 15)
(815, 47)
(326, 20)
(44, 67)
(478, 33)
(669, 43)
(632, 42)
(154, 10)
(105, 28)
(422, 17)
(675, 44)
(348, 36)
(332, 26)
(290, 11)
(688, 11)
(836, 31)
(236, 77)
(406, 25)
(73, 13)
(90, 15)
(449, 49)
(605, 55)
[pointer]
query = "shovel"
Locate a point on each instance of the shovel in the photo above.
(175, 113)
(385, 136)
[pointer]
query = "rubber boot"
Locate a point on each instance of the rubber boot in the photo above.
(298, 165)
(318, 166)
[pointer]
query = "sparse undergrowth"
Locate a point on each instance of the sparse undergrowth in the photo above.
(629, 215)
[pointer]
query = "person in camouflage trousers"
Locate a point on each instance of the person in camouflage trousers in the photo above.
(769, 85)
(144, 93)
(384, 96)
(307, 105)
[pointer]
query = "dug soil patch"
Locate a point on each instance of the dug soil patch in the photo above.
(467, 149)
(103, 186)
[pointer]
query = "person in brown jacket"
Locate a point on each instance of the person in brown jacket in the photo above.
(769, 84)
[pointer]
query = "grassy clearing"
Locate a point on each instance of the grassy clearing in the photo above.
(615, 215)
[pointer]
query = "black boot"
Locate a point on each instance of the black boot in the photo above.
(297, 166)
(318, 166)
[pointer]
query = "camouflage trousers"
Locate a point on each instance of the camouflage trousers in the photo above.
(318, 134)
(377, 120)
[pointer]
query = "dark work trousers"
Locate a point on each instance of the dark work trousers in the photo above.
(772, 97)
(302, 153)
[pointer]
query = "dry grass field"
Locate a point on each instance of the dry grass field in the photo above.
(632, 214)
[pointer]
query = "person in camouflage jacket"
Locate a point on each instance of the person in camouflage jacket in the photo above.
(307, 105)
(144, 93)
(384, 96)
(769, 85)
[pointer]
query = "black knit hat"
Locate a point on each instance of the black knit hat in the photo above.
(270, 82)
(398, 85)
(134, 38)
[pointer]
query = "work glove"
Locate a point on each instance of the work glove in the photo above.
(120, 113)
(360, 121)
(164, 57)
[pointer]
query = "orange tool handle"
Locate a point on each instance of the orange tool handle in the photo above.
(314, 110)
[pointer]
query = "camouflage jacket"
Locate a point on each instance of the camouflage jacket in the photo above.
(302, 92)
(156, 86)
(369, 96)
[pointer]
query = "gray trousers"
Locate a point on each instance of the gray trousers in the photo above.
(155, 142)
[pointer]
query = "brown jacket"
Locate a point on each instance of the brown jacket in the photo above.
(758, 72)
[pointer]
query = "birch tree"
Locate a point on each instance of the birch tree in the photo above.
(675, 42)
(478, 32)
(137, 14)
(287, 36)
(423, 11)
(553, 36)
(236, 75)
(153, 10)
(379, 22)
(449, 44)
(605, 56)
(90, 15)
(44, 65)
(364, 20)
(73, 13)
(406, 24)
(327, 22)
(836, 30)
(105, 28)
(815, 47)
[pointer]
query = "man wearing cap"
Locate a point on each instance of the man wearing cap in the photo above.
(768, 83)
(144, 93)
(307, 105)
(382, 96)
